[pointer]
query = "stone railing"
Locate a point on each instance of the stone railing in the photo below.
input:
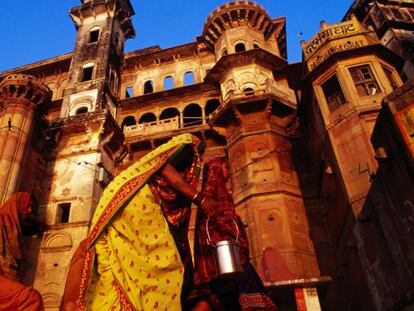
(152, 127)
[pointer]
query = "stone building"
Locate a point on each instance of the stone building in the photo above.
(305, 175)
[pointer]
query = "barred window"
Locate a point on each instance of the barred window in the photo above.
(333, 93)
(364, 80)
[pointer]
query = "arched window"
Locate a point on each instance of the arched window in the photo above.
(147, 118)
(148, 87)
(189, 78)
(256, 45)
(211, 106)
(128, 121)
(192, 115)
(224, 53)
(81, 110)
(240, 47)
(168, 83)
(248, 91)
(169, 113)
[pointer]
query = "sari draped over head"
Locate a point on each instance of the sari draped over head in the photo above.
(136, 252)
(14, 295)
(14, 209)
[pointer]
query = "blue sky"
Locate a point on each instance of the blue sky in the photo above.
(32, 30)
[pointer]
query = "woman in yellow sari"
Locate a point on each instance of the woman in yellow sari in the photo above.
(137, 255)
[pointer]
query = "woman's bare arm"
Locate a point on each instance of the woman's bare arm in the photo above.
(175, 180)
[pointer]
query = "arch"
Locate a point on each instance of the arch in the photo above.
(189, 78)
(147, 118)
(61, 241)
(256, 45)
(128, 121)
(248, 91)
(192, 115)
(169, 113)
(168, 83)
(148, 87)
(224, 52)
(211, 106)
(240, 47)
(83, 102)
(81, 110)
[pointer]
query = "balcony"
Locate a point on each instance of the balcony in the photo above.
(151, 128)
(270, 89)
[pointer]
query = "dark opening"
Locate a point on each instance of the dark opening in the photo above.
(240, 47)
(256, 46)
(147, 118)
(224, 52)
(211, 106)
(148, 87)
(192, 115)
(169, 113)
(93, 36)
(333, 93)
(63, 213)
(128, 121)
(87, 74)
(81, 110)
(248, 91)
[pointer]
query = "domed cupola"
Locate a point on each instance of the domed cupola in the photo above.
(242, 25)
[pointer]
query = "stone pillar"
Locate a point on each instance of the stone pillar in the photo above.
(19, 96)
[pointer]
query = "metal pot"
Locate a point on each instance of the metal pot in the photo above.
(226, 254)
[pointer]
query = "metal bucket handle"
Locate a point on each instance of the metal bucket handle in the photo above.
(208, 233)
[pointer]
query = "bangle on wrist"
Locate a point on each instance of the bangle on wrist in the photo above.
(199, 198)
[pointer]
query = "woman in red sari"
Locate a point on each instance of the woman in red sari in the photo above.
(247, 293)
(14, 214)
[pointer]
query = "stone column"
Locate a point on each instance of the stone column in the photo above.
(19, 96)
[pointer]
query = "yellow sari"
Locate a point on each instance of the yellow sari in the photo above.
(132, 261)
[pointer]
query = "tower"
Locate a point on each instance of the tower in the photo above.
(257, 113)
(347, 74)
(86, 140)
(20, 96)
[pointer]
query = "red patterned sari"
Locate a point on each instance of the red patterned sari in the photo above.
(248, 293)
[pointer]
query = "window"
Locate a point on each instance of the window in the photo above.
(93, 35)
(256, 46)
(333, 93)
(63, 213)
(224, 53)
(129, 92)
(87, 73)
(240, 47)
(388, 73)
(189, 78)
(168, 83)
(148, 87)
(128, 121)
(81, 110)
(248, 91)
(397, 14)
(364, 80)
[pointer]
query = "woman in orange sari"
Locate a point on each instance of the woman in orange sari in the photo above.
(137, 255)
(13, 294)
(246, 293)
